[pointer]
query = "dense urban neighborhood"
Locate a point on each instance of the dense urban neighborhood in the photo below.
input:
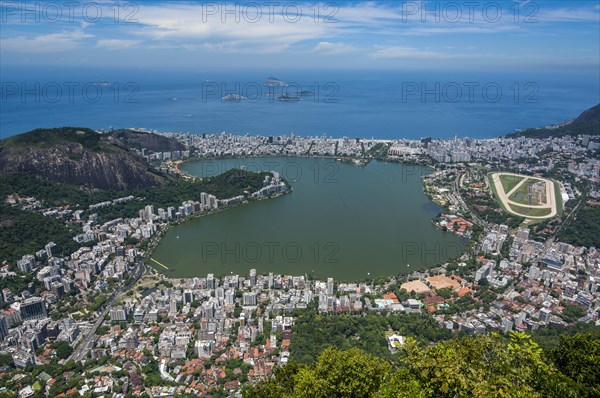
(90, 312)
(300, 199)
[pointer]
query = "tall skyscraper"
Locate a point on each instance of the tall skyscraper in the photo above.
(249, 299)
(33, 308)
(3, 327)
(210, 281)
(188, 296)
(329, 286)
(51, 249)
(148, 212)
(230, 297)
(26, 264)
(171, 212)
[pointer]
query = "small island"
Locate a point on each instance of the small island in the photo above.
(289, 98)
(274, 82)
(233, 98)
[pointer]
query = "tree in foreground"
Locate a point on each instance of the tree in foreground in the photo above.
(578, 357)
(479, 366)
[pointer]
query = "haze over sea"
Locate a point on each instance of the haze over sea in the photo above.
(349, 103)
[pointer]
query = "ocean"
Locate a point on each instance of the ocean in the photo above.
(380, 104)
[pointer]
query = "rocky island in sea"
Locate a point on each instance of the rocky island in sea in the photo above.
(274, 82)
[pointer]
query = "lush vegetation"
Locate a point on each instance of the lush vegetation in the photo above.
(16, 283)
(46, 138)
(26, 232)
(63, 349)
(584, 230)
(571, 312)
(231, 183)
(227, 185)
(67, 375)
(378, 150)
(313, 332)
(549, 337)
(50, 193)
(480, 366)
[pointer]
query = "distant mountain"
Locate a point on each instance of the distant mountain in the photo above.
(587, 123)
(150, 141)
(77, 156)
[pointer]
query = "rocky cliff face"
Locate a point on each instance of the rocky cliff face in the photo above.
(77, 156)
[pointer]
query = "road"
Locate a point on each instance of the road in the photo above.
(567, 220)
(89, 337)
(461, 202)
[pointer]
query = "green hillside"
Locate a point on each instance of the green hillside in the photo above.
(587, 123)
(25, 232)
(46, 138)
(480, 366)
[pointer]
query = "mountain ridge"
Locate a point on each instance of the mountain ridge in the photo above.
(77, 156)
(588, 122)
(151, 141)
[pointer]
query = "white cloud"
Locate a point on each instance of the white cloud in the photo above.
(47, 43)
(189, 26)
(410, 53)
(377, 30)
(333, 48)
(238, 47)
(117, 44)
(567, 15)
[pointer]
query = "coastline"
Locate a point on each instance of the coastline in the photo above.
(342, 159)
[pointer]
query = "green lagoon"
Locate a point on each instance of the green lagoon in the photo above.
(341, 221)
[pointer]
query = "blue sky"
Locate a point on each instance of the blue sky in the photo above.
(430, 35)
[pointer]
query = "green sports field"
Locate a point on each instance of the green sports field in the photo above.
(509, 182)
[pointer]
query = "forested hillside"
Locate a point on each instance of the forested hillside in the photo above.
(480, 366)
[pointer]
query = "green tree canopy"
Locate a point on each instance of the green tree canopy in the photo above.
(578, 357)
(482, 366)
(63, 349)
